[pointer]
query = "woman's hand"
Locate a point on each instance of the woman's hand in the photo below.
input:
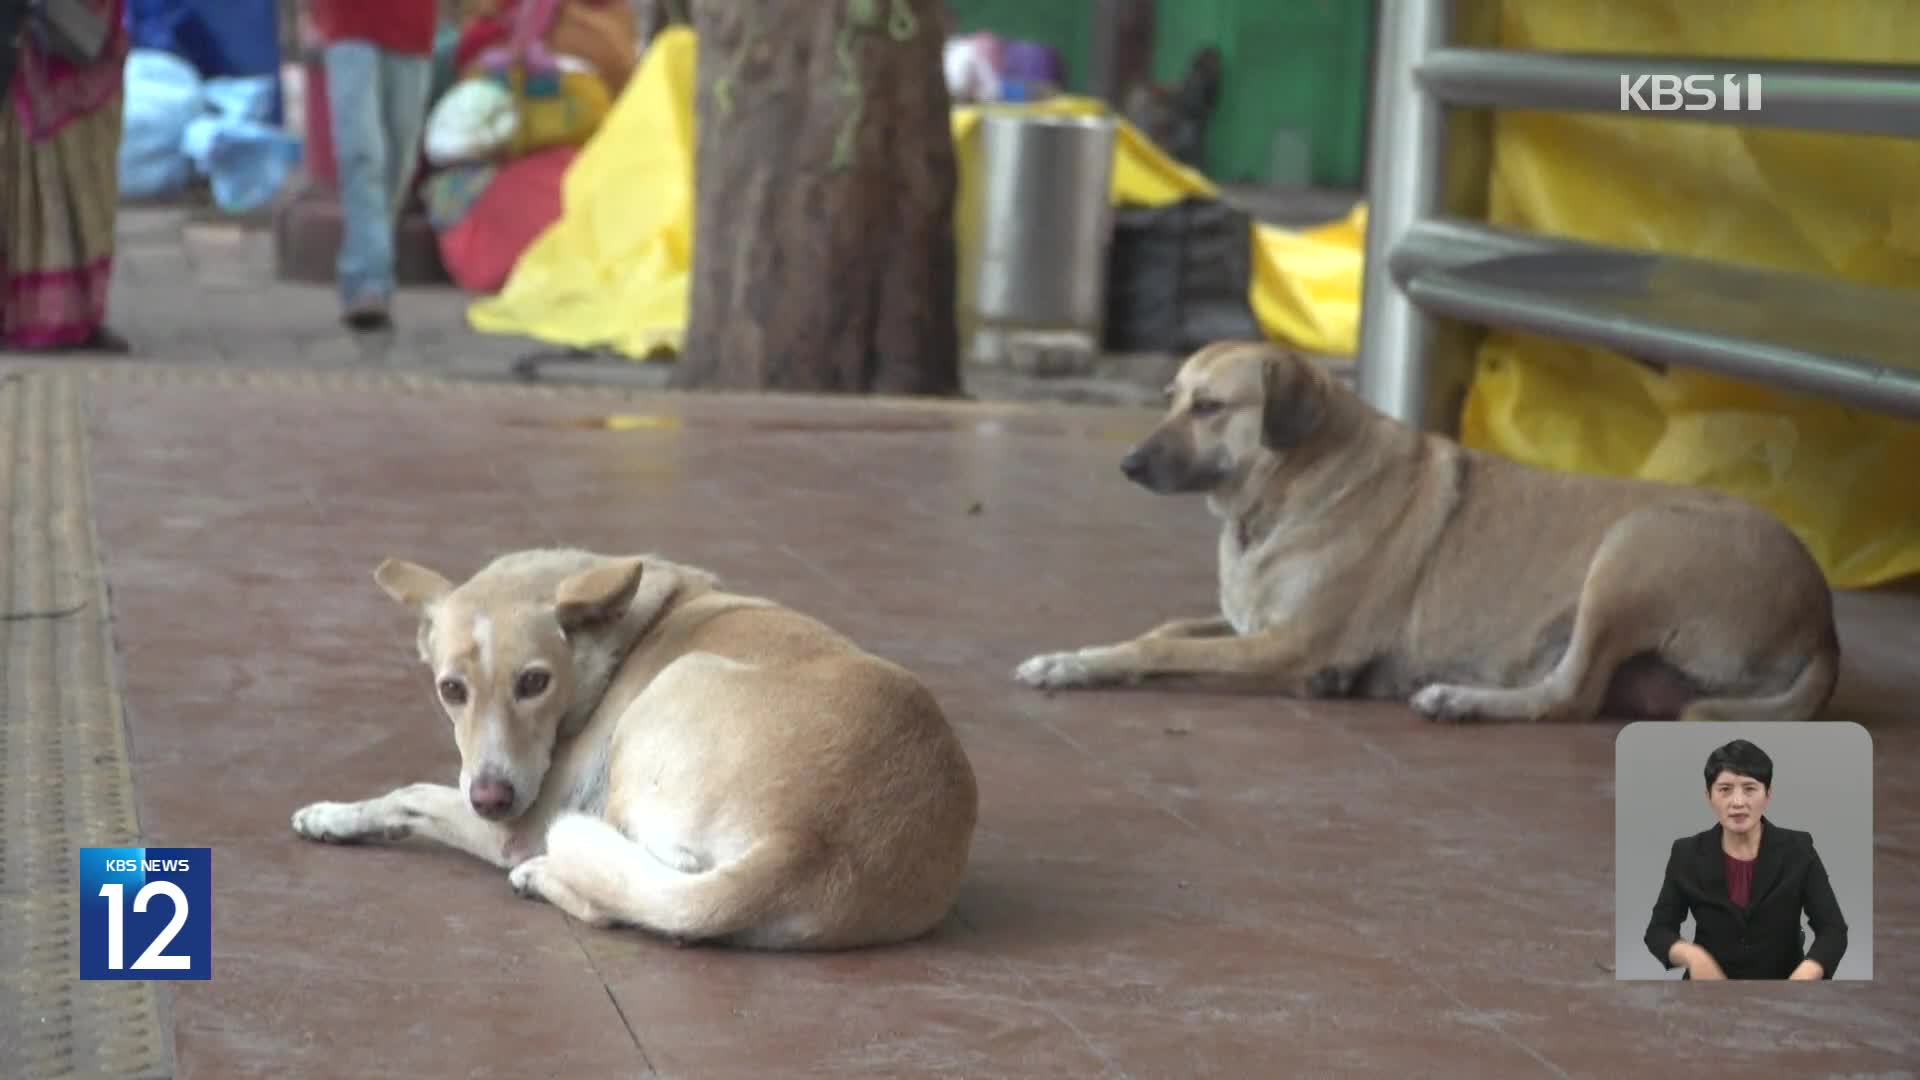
(1808, 971)
(1701, 966)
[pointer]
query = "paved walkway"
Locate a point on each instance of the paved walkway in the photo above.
(193, 289)
(1164, 882)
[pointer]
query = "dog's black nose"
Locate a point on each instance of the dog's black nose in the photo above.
(491, 797)
(1134, 465)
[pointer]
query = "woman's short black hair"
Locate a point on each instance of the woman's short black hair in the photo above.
(1741, 758)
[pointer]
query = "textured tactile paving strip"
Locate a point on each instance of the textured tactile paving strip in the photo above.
(64, 776)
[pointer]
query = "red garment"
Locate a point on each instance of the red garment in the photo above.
(483, 33)
(1739, 880)
(520, 202)
(49, 92)
(402, 26)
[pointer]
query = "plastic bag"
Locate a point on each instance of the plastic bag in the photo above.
(163, 95)
(971, 66)
(563, 106)
(474, 121)
(559, 100)
(245, 159)
(250, 97)
(1178, 276)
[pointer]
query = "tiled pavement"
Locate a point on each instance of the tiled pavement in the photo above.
(193, 288)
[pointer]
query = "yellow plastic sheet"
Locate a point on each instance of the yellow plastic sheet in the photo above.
(1839, 205)
(612, 272)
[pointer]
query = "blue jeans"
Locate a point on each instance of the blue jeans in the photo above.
(378, 104)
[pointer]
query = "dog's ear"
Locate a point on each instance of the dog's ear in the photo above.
(411, 584)
(598, 595)
(1294, 401)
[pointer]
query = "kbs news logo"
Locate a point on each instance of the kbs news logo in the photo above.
(1690, 93)
(153, 906)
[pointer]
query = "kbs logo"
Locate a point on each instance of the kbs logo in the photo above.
(1691, 93)
(146, 913)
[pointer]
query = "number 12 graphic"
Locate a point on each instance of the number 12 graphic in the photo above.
(152, 904)
(155, 958)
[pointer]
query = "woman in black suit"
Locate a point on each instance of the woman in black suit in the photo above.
(1746, 882)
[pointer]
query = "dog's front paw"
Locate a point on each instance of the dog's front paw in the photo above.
(536, 879)
(1444, 702)
(1056, 671)
(527, 878)
(330, 822)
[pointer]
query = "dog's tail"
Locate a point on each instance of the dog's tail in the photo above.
(626, 881)
(1801, 700)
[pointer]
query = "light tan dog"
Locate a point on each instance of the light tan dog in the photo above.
(639, 747)
(1361, 557)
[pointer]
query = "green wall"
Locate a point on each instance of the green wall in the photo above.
(1301, 64)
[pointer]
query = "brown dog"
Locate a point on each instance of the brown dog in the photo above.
(639, 746)
(1361, 557)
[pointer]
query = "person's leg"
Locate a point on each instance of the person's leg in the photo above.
(16, 212)
(96, 193)
(364, 271)
(405, 82)
(58, 197)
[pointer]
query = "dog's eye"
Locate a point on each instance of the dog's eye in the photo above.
(453, 691)
(531, 684)
(1205, 407)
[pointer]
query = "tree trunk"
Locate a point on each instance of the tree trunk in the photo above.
(823, 253)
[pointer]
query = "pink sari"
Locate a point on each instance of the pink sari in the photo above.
(59, 189)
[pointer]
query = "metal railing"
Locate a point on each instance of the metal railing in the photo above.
(1433, 270)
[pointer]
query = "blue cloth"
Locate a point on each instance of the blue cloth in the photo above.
(378, 102)
(174, 123)
(247, 159)
(218, 37)
(163, 96)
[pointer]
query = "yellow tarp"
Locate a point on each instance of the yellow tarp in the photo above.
(1847, 480)
(612, 272)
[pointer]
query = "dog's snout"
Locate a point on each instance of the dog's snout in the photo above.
(491, 797)
(1134, 465)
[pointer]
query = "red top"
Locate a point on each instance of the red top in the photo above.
(483, 33)
(1739, 880)
(402, 26)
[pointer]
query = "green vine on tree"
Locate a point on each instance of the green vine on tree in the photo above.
(749, 37)
(863, 16)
